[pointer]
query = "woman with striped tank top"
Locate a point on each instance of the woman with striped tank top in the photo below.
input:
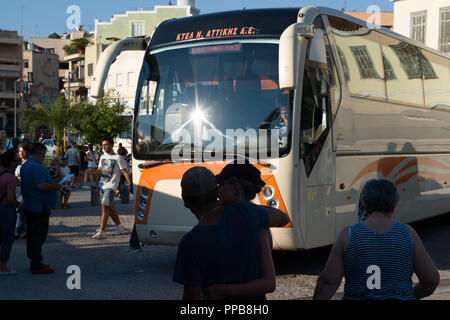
(378, 256)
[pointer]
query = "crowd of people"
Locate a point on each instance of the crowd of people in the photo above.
(227, 255)
(29, 191)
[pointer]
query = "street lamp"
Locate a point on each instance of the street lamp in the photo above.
(69, 75)
(15, 106)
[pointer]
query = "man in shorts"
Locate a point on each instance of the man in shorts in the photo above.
(111, 166)
(74, 162)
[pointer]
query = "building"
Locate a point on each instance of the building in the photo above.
(40, 76)
(123, 74)
(74, 79)
(73, 63)
(427, 22)
(141, 22)
(382, 18)
(11, 55)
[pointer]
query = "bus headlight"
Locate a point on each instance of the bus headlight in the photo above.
(140, 214)
(142, 203)
(145, 192)
(268, 192)
(273, 203)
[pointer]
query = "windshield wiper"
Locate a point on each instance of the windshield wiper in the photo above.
(264, 164)
(151, 164)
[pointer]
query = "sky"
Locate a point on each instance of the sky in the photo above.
(39, 18)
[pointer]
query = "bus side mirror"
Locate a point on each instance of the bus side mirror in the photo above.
(292, 52)
(287, 58)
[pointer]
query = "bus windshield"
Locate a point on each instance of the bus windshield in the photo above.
(222, 97)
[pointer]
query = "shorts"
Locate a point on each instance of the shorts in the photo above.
(66, 187)
(75, 170)
(107, 197)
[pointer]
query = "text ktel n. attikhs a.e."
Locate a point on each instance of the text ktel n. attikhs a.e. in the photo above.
(221, 32)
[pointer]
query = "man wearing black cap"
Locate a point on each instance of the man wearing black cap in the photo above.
(225, 246)
(239, 182)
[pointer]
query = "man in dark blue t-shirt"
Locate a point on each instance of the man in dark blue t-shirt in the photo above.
(39, 194)
(224, 247)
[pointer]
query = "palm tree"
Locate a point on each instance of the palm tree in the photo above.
(56, 115)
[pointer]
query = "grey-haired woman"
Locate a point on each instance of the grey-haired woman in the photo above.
(378, 256)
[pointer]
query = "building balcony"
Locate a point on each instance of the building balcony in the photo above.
(74, 57)
(9, 70)
(10, 40)
(9, 67)
(74, 84)
(7, 95)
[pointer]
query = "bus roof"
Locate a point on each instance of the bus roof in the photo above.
(268, 23)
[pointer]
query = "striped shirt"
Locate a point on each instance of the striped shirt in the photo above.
(379, 265)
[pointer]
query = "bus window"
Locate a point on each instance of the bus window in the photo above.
(360, 54)
(207, 95)
(316, 100)
(404, 75)
(436, 80)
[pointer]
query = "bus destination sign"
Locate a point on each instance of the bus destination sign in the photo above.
(217, 33)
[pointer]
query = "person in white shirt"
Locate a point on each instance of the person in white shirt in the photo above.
(92, 165)
(110, 168)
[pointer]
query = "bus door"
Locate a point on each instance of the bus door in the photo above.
(320, 98)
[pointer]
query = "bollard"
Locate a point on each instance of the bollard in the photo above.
(124, 193)
(95, 196)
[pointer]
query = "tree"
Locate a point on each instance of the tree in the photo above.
(54, 35)
(56, 115)
(77, 45)
(95, 121)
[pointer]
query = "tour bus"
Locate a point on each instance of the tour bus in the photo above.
(319, 101)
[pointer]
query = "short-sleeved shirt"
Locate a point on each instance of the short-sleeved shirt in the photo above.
(227, 252)
(33, 173)
(93, 162)
(72, 157)
(111, 170)
(7, 182)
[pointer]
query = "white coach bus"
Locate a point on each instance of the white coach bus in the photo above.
(349, 102)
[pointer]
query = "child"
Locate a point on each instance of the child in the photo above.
(55, 172)
(66, 188)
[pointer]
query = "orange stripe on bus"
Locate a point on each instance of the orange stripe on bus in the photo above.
(171, 171)
(384, 166)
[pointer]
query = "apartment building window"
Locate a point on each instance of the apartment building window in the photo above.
(137, 29)
(419, 26)
(444, 30)
(131, 79)
(119, 80)
(25, 64)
